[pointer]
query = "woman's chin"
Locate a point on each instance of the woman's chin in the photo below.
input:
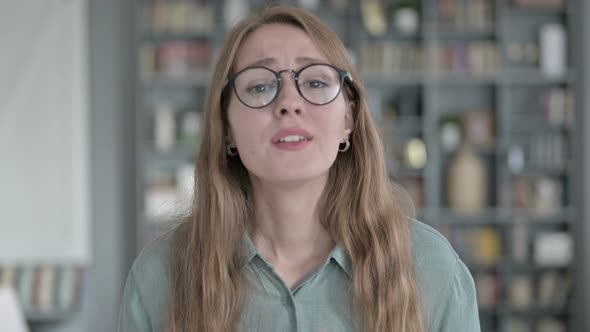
(291, 178)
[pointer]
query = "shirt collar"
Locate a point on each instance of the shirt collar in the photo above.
(338, 254)
(251, 250)
(342, 258)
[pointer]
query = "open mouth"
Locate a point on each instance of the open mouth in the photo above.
(292, 139)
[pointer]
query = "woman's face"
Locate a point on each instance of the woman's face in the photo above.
(268, 139)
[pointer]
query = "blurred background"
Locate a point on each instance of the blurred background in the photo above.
(481, 105)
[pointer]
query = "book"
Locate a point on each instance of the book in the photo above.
(65, 288)
(44, 295)
(553, 249)
(25, 284)
(548, 324)
(553, 289)
(7, 276)
(521, 292)
(487, 290)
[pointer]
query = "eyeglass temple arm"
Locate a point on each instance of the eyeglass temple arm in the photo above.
(347, 74)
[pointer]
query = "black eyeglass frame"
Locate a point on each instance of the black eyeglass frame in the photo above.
(343, 75)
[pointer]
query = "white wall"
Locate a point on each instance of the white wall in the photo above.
(112, 51)
(44, 148)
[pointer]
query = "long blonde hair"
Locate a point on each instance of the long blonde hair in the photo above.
(360, 208)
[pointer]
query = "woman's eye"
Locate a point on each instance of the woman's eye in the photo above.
(315, 84)
(259, 88)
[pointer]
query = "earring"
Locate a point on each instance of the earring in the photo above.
(231, 151)
(346, 147)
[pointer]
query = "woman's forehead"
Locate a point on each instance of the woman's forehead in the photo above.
(275, 44)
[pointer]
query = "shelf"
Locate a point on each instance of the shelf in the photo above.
(489, 216)
(539, 311)
(465, 79)
(161, 37)
(534, 77)
(529, 268)
(507, 77)
(48, 317)
(564, 216)
(446, 35)
(518, 12)
(502, 309)
(543, 171)
(482, 151)
(405, 172)
(197, 79)
(394, 35)
(392, 79)
(483, 268)
(525, 124)
(512, 90)
(498, 216)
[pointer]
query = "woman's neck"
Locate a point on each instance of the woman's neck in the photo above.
(287, 229)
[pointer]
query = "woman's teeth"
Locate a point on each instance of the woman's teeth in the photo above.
(292, 138)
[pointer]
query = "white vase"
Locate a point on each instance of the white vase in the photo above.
(467, 182)
(553, 50)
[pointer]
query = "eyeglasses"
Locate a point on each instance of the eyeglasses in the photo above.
(257, 87)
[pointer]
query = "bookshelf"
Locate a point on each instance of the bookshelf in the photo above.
(466, 85)
(46, 292)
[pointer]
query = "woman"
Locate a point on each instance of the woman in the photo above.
(295, 225)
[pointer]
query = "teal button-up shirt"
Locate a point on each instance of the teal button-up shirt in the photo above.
(322, 302)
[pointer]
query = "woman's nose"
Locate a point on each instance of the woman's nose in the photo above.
(288, 99)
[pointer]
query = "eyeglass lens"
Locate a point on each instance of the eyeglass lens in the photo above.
(318, 84)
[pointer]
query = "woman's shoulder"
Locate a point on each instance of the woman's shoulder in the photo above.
(446, 285)
(430, 246)
(152, 264)
(434, 257)
(145, 297)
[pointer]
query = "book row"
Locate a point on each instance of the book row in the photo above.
(44, 289)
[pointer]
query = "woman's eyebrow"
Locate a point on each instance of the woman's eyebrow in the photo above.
(308, 60)
(271, 61)
(263, 62)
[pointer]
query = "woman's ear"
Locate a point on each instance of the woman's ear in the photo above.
(349, 119)
(229, 140)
